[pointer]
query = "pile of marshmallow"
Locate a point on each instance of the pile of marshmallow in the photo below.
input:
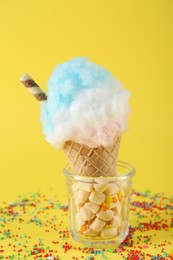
(98, 208)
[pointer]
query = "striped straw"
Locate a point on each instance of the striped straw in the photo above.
(32, 86)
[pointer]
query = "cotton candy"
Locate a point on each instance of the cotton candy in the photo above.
(85, 104)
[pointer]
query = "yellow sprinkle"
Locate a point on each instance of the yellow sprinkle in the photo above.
(120, 195)
(108, 226)
(108, 199)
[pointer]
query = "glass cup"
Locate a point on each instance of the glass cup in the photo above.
(99, 206)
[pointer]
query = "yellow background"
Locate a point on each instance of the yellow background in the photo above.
(132, 38)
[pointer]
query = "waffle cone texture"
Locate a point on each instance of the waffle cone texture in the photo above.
(92, 162)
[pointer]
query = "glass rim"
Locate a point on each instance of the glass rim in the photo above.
(131, 171)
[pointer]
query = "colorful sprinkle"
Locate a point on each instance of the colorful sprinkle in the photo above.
(35, 226)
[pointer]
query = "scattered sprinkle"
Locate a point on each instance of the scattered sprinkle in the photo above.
(36, 226)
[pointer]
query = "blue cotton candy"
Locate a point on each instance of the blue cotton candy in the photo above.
(73, 76)
(85, 102)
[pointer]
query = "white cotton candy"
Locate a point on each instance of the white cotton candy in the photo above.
(89, 122)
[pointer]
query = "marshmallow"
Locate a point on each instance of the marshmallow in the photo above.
(101, 187)
(117, 209)
(90, 233)
(76, 186)
(97, 198)
(108, 232)
(92, 206)
(112, 189)
(77, 202)
(114, 200)
(86, 213)
(116, 221)
(82, 196)
(100, 180)
(78, 205)
(79, 220)
(106, 215)
(86, 186)
(97, 225)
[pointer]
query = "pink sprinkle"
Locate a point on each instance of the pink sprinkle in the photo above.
(145, 246)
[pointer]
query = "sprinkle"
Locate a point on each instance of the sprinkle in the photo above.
(104, 207)
(83, 228)
(24, 221)
(114, 199)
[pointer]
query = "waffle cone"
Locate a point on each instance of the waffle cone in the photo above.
(92, 162)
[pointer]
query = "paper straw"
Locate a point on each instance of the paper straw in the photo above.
(32, 86)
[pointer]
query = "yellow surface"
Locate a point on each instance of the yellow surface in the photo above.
(36, 225)
(133, 39)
